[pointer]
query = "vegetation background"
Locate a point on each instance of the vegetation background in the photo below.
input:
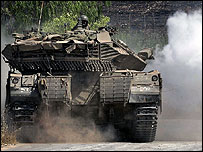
(17, 16)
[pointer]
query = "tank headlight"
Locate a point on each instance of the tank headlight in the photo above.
(154, 78)
(15, 80)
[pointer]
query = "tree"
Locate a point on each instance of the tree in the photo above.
(70, 16)
(21, 15)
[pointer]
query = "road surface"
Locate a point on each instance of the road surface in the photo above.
(112, 146)
(172, 135)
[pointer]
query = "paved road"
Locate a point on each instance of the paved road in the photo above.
(112, 146)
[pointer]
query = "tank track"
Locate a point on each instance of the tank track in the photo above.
(145, 125)
(22, 112)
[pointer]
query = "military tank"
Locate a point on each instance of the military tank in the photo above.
(87, 74)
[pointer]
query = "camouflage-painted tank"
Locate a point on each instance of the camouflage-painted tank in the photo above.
(84, 73)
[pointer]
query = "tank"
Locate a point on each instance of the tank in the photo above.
(83, 73)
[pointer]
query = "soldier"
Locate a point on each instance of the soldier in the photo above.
(82, 23)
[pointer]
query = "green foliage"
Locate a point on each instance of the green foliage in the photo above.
(25, 13)
(100, 23)
(57, 24)
(55, 13)
(72, 10)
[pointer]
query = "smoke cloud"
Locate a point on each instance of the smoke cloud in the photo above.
(180, 63)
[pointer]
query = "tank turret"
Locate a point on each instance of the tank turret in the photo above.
(85, 50)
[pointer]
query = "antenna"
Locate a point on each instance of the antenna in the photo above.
(40, 16)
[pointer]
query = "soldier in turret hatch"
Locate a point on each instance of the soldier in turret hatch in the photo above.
(82, 23)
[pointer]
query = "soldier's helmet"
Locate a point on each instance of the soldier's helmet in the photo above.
(84, 21)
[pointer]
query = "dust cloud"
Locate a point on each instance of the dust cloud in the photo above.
(66, 130)
(180, 63)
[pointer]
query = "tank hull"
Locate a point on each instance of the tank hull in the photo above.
(115, 98)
